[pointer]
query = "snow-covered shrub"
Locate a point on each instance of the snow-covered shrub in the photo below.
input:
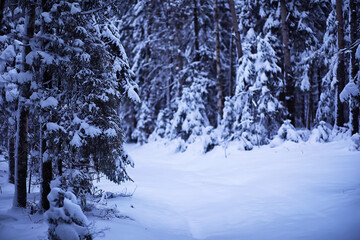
(75, 181)
(286, 132)
(210, 139)
(355, 146)
(321, 133)
(66, 219)
(245, 142)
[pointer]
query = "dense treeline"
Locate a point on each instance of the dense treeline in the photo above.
(212, 71)
(226, 70)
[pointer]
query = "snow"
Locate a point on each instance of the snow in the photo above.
(90, 130)
(357, 54)
(51, 126)
(47, 17)
(350, 90)
(110, 132)
(292, 191)
(75, 8)
(76, 140)
(49, 102)
(132, 94)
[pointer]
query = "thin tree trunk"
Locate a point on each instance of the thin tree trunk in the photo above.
(2, 5)
(45, 160)
(231, 70)
(310, 103)
(23, 115)
(340, 119)
(289, 89)
(354, 108)
(196, 31)
(46, 172)
(220, 101)
(236, 29)
(59, 160)
(11, 150)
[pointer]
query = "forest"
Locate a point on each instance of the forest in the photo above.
(84, 81)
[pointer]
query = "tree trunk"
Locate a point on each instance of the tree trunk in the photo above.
(354, 108)
(11, 150)
(289, 89)
(231, 70)
(340, 119)
(23, 114)
(196, 32)
(236, 29)
(220, 101)
(2, 5)
(309, 116)
(59, 159)
(45, 160)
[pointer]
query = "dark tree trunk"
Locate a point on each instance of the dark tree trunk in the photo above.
(220, 101)
(2, 5)
(59, 160)
(289, 89)
(46, 173)
(196, 31)
(23, 116)
(231, 71)
(309, 116)
(340, 118)
(11, 155)
(354, 34)
(21, 157)
(236, 29)
(46, 170)
(46, 162)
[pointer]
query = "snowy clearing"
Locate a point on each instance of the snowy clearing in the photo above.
(294, 191)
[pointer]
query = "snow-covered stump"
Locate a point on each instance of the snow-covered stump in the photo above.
(66, 219)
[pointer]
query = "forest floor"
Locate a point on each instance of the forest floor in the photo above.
(293, 191)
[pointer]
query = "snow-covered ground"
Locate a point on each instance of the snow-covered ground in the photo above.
(294, 191)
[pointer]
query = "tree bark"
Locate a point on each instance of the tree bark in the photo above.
(289, 88)
(46, 174)
(340, 119)
(23, 114)
(2, 5)
(236, 29)
(231, 70)
(354, 108)
(196, 31)
(46, 162)
(11, 150)
(220, 101)
(309, 115)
